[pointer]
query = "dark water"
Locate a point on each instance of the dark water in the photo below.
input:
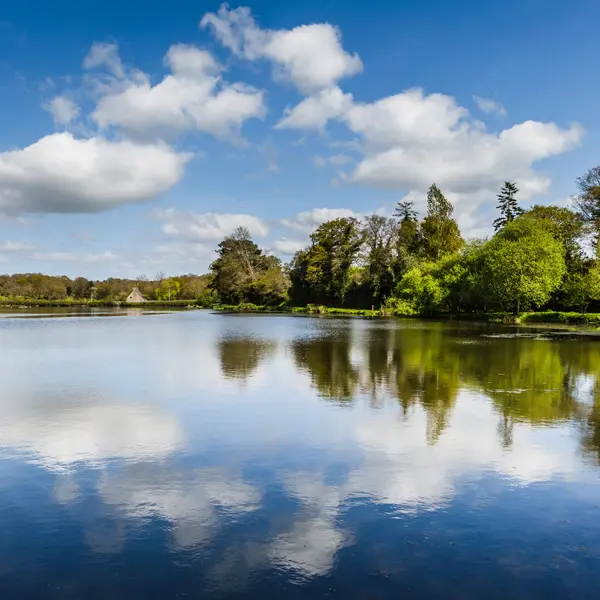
(193, 455)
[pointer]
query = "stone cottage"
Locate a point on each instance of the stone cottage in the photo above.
(135, 296)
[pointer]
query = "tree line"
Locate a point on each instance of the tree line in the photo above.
(37, 286)
(404, 264)
(536, 259)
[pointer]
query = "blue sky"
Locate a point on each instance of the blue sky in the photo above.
(136, 134)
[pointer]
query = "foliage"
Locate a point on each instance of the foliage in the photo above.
(379, 235)
(321, 273)
(437, 204)
(439, 232)
(35, 286)
(581, 287)
(420, 290)
(522, 265)
(565, 225)
(507, 205)
(405, 211)
(244, 273)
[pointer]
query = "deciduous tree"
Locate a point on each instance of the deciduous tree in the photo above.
(522, 265)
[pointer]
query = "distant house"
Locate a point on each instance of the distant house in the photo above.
(135, 296)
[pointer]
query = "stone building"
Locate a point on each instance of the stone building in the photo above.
(135, 296)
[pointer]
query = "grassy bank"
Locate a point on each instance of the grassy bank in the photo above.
(547, 317)
(285, 308)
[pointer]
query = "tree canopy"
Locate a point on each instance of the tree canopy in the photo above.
(522, 265)
(244, 273)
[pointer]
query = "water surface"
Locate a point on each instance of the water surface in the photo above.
(201, 455)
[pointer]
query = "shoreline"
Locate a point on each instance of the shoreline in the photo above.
(524, 318)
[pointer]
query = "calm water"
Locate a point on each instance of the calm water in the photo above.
(225, 456)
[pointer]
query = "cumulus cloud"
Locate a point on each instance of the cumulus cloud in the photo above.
(63, 110)
(9, 246)
(305, 222)
(316, 110)
(337, 160)
(202, 227)
(63, 174)
(412, 139)
(289, 247)
(311, 57)
(489, 107)
(105, 55)
(192, 97)
(90, 257)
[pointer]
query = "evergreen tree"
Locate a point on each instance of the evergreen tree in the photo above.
(405, 211)
(507, 205)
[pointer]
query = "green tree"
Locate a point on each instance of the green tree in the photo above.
(170, 289)
(81, 288)
(321, 273)
(405, 211)
(379, 235)
(439, 232)
(522, 265)
(581, 287)
(239, 268)
(588, 201)
(419, 291)
(564, 224)
(507, 205)
(272, 284)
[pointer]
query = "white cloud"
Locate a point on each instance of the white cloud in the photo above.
(105, 55)
(63, 174)
(3, 259)
(74, 257)
(63, 110)
(305, 222)
(309, 56)
(315, 111)
(412, 140)
(9, 246)
(287, 246)
(489, 107)
(201, 227)
(193, 96)
(337, 160)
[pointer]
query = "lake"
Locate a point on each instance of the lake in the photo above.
(200, 455)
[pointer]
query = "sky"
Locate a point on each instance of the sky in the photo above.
(135, 135)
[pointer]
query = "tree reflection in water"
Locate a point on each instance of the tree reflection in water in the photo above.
(530, 377)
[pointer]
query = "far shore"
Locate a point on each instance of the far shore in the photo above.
(542, 317)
